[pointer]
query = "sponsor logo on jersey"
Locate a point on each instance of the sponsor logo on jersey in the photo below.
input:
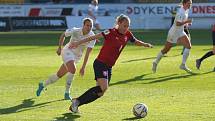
(105, 73)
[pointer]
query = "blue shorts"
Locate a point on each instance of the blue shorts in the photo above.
(101, 70)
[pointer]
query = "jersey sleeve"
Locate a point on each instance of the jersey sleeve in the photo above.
(131, 37)
(105, 33)
(69, 32)
(91, 43)
(179, 17)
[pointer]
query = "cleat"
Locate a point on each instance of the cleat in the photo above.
(67, 96)
(154, 67)
(74, 106)
(198, 63)
(184, 67)
(40, 89)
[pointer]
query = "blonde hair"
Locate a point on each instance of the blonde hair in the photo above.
(87, 19)
(95, 1)
(122, 17)
(185, 1)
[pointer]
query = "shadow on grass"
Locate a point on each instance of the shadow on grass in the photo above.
(157, 79)
(149, 58)
(67, 117)
(138, 78)
(132, 118)
(27, 104)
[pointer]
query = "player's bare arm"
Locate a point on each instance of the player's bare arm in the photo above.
(188, 21)
(82, 70)
(88, 39)
(61, 41)
(141, 43)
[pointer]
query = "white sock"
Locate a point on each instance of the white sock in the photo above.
(185, 55)
(53, 78)
(159, 56)
(69, 82)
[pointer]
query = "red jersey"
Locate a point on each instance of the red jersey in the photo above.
(113, 45)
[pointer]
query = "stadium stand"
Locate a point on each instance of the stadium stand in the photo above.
(172, 1)
(12, 1)
(100, 1)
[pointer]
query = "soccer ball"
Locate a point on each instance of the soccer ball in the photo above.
(140, 110)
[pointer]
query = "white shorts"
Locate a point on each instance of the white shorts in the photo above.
(174, 36)
(68, 55)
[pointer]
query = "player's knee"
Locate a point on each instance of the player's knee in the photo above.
(104, 88)
(72, 70)
(100, 90)
(189, 47)
(214, 51)
(101, 94)
(164, 51)
(59, 75)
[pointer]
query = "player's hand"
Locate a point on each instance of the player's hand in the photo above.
(58, 51)
(189, 21)
(82, 71)
(97, 40)
(73, 44)
(148, 45)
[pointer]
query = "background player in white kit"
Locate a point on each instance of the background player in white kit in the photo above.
(71, 56)
(92, 12)
(176, 34)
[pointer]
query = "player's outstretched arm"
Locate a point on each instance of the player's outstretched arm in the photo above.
(61, 41)
(141, 43)
(75, 44)
(188, 21)
(87, 54)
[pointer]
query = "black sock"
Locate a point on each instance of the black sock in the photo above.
(90, 95)
(208, 54)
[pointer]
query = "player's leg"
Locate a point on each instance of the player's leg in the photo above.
(71, 68)
(208, 54)
(90, 95)
(184, 40)
(186, 30)
(166, 49)
(52, 79)
(101, 75)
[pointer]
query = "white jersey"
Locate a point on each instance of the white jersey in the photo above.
(77, 35)
(178, 31)
(181, 16)
(93, 9)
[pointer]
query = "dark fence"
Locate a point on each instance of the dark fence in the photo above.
(32, 23)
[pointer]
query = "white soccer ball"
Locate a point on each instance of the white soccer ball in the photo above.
(140, 110)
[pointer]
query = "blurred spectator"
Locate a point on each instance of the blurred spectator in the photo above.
(93, 12)
(54, 2)
(67, 1)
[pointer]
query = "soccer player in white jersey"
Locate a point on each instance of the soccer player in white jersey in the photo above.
(71, 56)
(177, 35)
(93, 12)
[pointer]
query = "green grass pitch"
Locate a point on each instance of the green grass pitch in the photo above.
(171, 94)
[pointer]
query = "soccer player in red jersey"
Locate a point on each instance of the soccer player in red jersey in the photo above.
(115, 40)
(208, 54)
